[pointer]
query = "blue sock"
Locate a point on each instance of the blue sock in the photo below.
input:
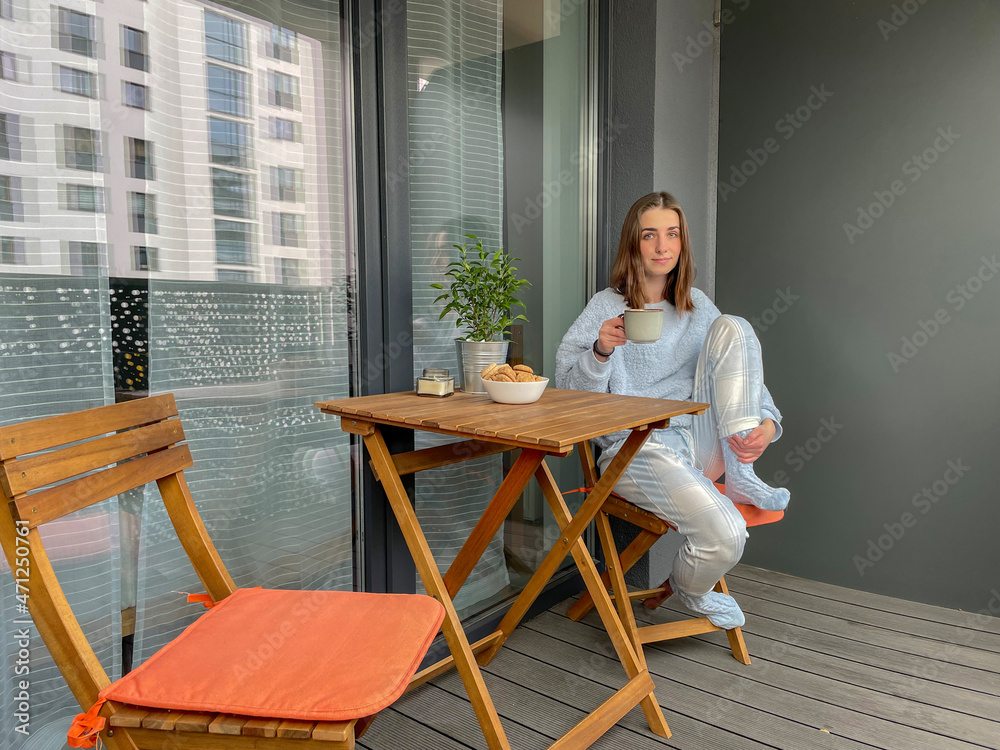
(743, 486)
(720, 609)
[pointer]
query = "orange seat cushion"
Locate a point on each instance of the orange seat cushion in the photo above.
(308, 655)
(753, 515)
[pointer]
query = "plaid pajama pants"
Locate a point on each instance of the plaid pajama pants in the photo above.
(672, 474)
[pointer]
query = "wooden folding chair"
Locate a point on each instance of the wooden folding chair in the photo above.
(260, 669)
(651, 528)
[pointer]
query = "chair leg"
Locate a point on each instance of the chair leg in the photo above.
(735, 636)
(632, 554)
(654, 716)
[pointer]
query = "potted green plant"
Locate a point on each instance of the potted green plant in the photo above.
(483, 294)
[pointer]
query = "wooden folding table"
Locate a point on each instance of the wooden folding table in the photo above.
(553, 425)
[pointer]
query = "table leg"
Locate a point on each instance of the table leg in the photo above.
(570, 535)
(491, 521)
(458, 643)
(621, 626)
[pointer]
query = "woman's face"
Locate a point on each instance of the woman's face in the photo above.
(659, 241)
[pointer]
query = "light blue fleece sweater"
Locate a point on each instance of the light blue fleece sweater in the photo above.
(664, 369)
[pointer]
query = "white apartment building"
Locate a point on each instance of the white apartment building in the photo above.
(171, 139)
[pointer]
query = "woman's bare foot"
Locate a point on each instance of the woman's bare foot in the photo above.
(655, 601)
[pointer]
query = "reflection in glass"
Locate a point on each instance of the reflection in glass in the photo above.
(11, 203)
(79, 82)
(229, 142)
(134, 49)
(225, 38)
(227, 91)
(76, 32)
(142, 213)
(82, 148)
(231, 193)
(135, 95)
(10, 136)
(233, 242)
(140, 158)
(283, 45)
(88, 198)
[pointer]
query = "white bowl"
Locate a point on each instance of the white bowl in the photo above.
(515, 393)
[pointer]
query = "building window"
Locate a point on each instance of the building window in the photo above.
(88, 198)
(142, 213)
(8, 67)
(140, 158)
(284, 130)
(283, 90)
(288, 230)
(77, 33)
(10, 136)
(229, 142)
(135, 51)
(231, 193)
(227, 91)
(284, 45)
(290, 271)
(85, 258)
(233, 242)
(244, 277)
(135, 95)
(286, 184)
(225, 39)
(11, 202)
(82, 148)
(145, 258)
(12, 251)
(79, 82)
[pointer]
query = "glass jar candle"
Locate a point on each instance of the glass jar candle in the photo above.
(435, 382)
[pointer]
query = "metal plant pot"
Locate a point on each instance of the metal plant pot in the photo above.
(473, 356)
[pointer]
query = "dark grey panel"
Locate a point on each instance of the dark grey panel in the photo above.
(879, 339)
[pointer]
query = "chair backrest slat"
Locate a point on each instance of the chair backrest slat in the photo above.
(55, 502)
(102, 452)
(31, 473)
(43, 434)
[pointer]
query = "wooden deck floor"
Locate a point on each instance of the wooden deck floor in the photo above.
(832, 668)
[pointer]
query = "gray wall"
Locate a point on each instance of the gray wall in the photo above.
(875, 505)
(686, 121)
(632, 79)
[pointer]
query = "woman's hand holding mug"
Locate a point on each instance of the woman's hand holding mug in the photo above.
(612, 334)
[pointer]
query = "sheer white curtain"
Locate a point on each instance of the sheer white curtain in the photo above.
(456, 188)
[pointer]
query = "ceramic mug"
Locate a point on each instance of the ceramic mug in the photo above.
(643, 326)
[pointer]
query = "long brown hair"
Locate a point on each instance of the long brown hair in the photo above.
(627, 274)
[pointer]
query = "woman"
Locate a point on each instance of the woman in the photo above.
(701, 355)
